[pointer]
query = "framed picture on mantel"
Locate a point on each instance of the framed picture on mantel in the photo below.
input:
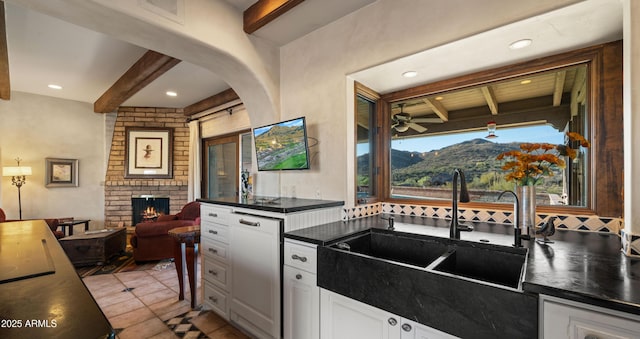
(148, 153)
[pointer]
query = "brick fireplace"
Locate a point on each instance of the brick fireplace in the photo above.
(119, 191)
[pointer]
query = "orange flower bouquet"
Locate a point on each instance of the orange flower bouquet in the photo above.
(535, 160)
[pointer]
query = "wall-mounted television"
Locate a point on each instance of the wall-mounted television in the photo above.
(282, 146)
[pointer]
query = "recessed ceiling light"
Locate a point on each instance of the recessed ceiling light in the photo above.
(439, 98)
(520, 43)
(54, 86)
(172, 94)
(524, 82)
(410, 74)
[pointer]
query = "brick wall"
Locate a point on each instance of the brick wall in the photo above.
(118, 190)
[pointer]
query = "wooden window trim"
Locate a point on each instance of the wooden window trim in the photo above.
(606, 125)
(369, 94)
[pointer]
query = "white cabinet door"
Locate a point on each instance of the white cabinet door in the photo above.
(255, 274)
(345, 318)
(565, 319)
(301, 304)
(414, 330)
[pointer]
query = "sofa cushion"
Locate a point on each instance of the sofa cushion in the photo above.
(190, 211)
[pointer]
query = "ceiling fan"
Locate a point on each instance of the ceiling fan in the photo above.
(403, 121)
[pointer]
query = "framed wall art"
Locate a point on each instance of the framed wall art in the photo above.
(61, 172)
(148, 153)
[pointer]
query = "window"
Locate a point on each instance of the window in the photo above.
(435, 134)
(430, 129)
(366, 166)
(223, 158)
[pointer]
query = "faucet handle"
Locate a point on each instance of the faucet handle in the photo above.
(391, 220)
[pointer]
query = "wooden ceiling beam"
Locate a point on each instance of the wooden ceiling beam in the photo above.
(438, 108)
(211, 102)
(490, 97)
(148, 68)
(264, 11)
(559, 88)
(5, 84)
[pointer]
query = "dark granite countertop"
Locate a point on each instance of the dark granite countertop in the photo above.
(274, 204)
(48, 300)
(587, 267)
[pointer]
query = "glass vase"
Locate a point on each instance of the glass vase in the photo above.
(527, 197)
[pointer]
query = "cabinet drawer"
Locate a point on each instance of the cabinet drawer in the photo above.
(216, 274)
(301, 256)
(216, 299)
(215, 232)
(214, 213)
(259, 224)
(215, 250)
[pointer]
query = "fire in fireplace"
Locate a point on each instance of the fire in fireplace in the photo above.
(148, 207)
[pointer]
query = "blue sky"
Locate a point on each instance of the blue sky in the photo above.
(288, 123)
(538, 133)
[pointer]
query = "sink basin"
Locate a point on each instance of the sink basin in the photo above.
(493, 265)
(436, 281)
(399, 247)
(485, 263)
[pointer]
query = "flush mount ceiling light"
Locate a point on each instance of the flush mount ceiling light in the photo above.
(522, 43)
(172, 94)
(410, 74)
(54, 86)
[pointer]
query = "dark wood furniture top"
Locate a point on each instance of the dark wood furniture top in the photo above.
(71, 223)
(52, 304)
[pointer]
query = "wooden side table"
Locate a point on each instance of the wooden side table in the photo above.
(186, 241)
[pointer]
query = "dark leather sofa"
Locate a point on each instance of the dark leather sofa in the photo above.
(151, 240)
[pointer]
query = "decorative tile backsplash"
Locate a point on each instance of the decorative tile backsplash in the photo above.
(589, 223)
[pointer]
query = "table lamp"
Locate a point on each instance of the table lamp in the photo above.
(18, 178)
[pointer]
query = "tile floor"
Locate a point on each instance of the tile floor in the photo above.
(138, 302)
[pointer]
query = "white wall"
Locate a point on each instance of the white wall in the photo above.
(631, 93)
(34, 127)
(314, 68)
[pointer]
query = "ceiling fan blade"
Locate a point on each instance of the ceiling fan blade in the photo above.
(417, 127)
(428, 120)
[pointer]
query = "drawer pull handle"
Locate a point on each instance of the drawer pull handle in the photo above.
(250, 223)
(213, 250)
(406, 327)
(297, 257)
(215, 215)
(213, 232)
(392, 321)
(213, 272)
(298, 276)
(215, 300)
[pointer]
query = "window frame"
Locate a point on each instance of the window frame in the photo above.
(377, 146)
(604, 64)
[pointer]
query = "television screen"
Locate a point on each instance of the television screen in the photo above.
(282, 146)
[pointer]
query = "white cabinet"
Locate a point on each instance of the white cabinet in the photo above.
(255, 267)
(214, 244)
(243, 273)
(565, 319)
(414, 330)
(345, 318)
(301, 295)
